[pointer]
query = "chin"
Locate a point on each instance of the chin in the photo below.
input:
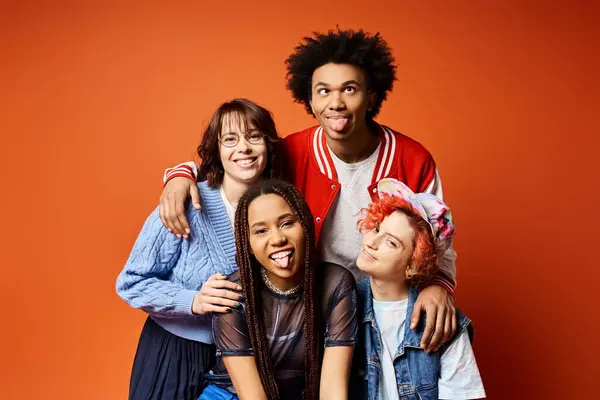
(336, 135)
(283, 273)
(249, 179)
(363, 268)
(292, 274)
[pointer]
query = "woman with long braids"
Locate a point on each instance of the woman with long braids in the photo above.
(272, 347)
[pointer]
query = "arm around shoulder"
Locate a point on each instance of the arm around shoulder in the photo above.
(180, 183)
(187, 169)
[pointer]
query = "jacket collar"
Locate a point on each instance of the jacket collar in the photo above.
(385, 160)
(412, 337)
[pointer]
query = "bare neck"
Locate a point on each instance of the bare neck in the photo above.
(389, 290)
(356, 148)
(234, 190)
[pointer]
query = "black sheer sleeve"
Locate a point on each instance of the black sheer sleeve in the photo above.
(230, 332)
(340, 312)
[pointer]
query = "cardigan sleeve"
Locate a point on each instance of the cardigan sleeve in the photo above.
(145, 281)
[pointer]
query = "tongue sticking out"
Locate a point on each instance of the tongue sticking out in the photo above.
(337, 124)
(283, 262)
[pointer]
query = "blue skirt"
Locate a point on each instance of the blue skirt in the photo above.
(168, 367)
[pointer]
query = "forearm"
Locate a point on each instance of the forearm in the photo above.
(142, 282)
(249, 391)
(333, 390)
(335, 373)
(155, 296)
(446, 275)
(244, 376)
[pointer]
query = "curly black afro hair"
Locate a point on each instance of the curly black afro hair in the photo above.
(359, 48)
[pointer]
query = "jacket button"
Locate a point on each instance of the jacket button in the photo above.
(374, 190)
(333, 186)
(318, 219)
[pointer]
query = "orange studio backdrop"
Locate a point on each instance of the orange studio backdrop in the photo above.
(97, 98)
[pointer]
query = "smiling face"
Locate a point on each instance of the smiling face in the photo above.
(277, 240)
(387, 249)
(340, 99)
(245, 162)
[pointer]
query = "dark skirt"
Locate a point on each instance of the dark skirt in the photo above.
(168, 367)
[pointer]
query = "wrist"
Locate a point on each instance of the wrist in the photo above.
(183, 171)
(197, 305)
(182, 302)
(441, 283)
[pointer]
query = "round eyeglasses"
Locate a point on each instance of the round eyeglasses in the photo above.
(231, 139)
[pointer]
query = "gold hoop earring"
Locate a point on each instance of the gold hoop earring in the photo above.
(409, 272)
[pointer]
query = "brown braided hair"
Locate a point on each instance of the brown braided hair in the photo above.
(250, 276)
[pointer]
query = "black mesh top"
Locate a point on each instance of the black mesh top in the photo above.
(284, 323)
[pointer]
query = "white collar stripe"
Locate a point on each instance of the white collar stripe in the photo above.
(392, 152)
(316, 150)
(389, 149)
(385, 155)
(325, 160)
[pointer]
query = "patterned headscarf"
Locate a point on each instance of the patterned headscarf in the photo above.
(433, 210)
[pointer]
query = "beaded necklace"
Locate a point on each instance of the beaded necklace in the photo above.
(275, 289)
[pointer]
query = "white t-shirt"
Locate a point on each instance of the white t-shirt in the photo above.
(228, 207)
(459, 375)
(340, 241)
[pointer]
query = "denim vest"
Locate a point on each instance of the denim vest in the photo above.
(417, 372)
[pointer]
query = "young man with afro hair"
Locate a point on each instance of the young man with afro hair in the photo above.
(342, 77)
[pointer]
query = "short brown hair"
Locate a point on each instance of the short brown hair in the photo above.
(248, 112)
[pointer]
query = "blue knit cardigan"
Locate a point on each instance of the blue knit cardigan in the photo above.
(164, 273)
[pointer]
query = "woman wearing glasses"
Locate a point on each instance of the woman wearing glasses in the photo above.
(180, 283)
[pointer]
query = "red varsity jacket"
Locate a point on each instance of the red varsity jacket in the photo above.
(310, 167)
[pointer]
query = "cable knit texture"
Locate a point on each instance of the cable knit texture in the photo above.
(164, 273)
